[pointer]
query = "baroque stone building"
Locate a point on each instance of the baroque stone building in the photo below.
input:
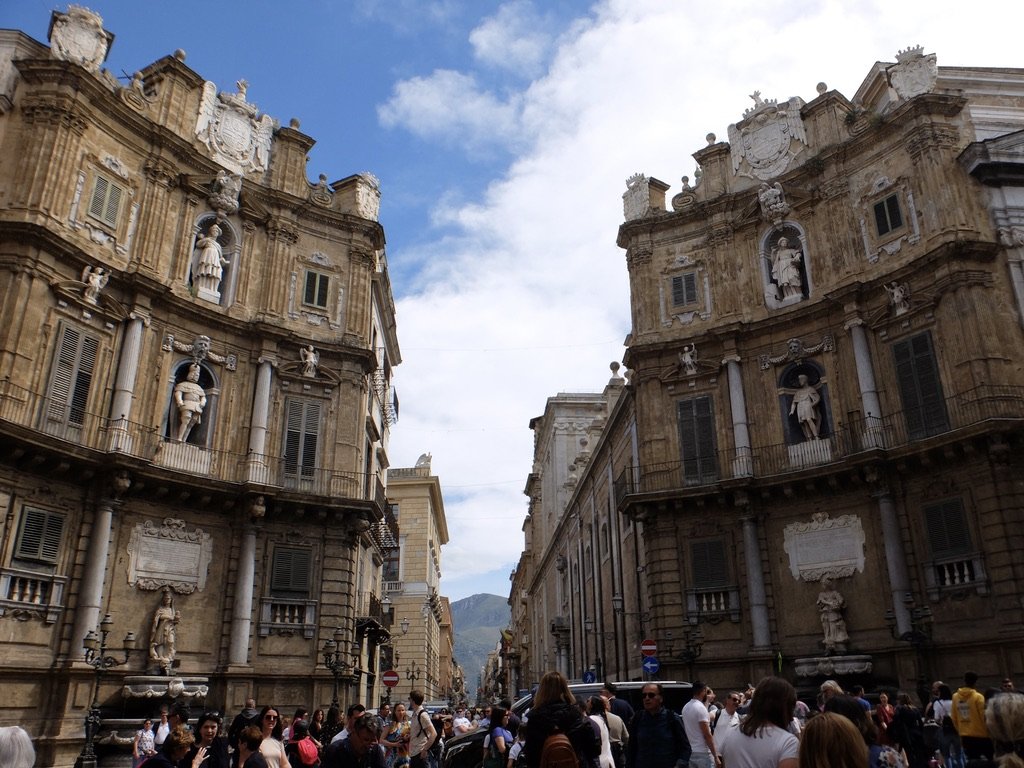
(195, 395)
(818, 444)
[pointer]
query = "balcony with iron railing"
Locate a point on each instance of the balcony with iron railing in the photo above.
(72, 428)
(957, 416)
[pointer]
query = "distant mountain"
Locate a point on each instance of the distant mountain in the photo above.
(478, 621)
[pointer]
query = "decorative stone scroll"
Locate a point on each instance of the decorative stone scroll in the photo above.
(797, 350)
(825, 547)
(169, 556)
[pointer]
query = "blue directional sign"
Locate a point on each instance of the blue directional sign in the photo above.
(589, 676)
(651, 665)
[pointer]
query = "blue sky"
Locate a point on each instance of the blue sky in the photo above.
(503, 133)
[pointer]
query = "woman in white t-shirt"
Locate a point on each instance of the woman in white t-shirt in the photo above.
(763, 740)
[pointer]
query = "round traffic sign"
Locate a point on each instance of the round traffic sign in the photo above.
(390, 678)
(648, 647)
(590, 676)
(651, 665)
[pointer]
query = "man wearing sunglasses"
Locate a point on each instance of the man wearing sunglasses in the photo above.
(657, 738)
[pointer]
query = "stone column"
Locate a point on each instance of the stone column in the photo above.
(258, 470)
(90, 593)
(895, 560)
(873, 435)
(241, 615)
(755, 584)
(742, 465)
(124, 385)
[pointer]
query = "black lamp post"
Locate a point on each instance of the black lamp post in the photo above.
(334, 660)
(693, 646)
(412, 673)
(96, 656)
(919, 636)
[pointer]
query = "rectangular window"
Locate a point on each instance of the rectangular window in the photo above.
(707, 564)
(105, 203)
(697, 440)
(917, 373)
(391, 570)
(302, 431)
(71, 378)
(39, 536)
(887, 215)
(948, 532)
(315, 293)
(290, 572)
(684, 290)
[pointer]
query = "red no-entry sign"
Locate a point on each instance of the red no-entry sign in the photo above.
(390, 678)
(648, 647)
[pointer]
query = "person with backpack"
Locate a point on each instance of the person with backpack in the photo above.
(657, 738)
(249, 715)
(422, 732)
(498, 739)
(557, 732)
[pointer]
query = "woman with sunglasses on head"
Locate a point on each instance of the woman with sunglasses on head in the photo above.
(272, 747)
(208, 737)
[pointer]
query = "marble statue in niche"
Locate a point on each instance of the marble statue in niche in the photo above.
(805, 408)
(209, 264)
(95, 280)
(190, 400)
(310, 361)
(787, 269)
(162, 633)
(899, 297)
(830, 606)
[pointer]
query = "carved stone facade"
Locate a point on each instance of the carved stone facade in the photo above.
(855, 411)
(149, 254)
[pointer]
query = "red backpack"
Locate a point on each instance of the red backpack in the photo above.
(558, 752)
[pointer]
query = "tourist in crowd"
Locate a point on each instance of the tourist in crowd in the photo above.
(396, 739)
(16, 749)
(657, 738)
(969, 720)
(144, 744)
(316, 726)
(1004, 718)
(764, 740)
(208, 731)
(301, 749)
(597, 709)
(883, 714)
(359, 749)
(497, 741)
(332, 725)
(300, 714)
(832, 741)
(250, 739)
(907, 731)
(554, 709)
(176, 747)
(272, 747)
(879, 755)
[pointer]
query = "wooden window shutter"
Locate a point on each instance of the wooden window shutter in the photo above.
(948, 532)
(917, 374)
(40, 536)
(290, 571)
(697, 440)
(707, 563)
(97, 204)
(72, 377)
(684, 289)
(302, 429)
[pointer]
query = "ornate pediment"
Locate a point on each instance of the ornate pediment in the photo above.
(232, 131)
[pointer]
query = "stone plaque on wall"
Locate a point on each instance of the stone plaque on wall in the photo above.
(169, 556)
(825, 547)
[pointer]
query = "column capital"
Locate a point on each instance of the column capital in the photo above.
(731, 358)
(854, 322)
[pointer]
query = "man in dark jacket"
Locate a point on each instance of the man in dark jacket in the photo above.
(616, 705)
(359, 749)
(657, 738)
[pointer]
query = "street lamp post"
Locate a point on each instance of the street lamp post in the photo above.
(693, 646)
(96, 656)
(334, 660)
(412, 673)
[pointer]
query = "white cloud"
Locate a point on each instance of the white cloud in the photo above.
(450, 108)
(516, 38)
(529, 296)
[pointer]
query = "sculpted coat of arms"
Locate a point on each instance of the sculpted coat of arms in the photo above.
(229, 127)
(78, 36)
(762, 142)
(914, 73)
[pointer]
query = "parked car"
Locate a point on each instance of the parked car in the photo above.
(467, 750)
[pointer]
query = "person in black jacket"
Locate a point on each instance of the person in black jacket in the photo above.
(657, 738)
(554, 710)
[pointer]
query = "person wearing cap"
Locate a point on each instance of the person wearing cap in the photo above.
(359, 748)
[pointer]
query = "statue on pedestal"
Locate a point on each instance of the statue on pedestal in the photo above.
(787, 269)
(210, 264)
(162, 641)
(805, 406)
(830, 606)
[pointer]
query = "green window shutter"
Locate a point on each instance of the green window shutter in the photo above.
(40, 536)
(948, 532)
(707, 563)
(924, 405)
(697, 440)
(290, 572)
